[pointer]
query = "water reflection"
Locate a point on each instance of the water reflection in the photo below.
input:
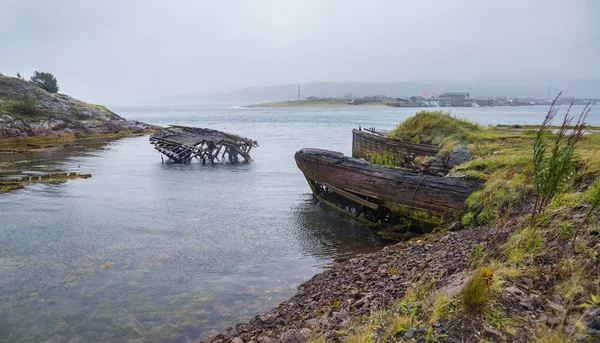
(50, 160)
(323, 231)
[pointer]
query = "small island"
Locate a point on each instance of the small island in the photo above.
(33, 115)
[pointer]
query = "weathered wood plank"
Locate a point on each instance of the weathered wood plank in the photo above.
(182, 143)
(365, 142)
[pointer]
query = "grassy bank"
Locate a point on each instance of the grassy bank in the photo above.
(537, 276)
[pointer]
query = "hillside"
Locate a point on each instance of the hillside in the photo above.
(27, 110)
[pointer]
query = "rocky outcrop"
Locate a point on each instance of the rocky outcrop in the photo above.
(55, 114)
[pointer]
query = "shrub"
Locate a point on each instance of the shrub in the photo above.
(468, 219)
(26, 105)
(551, 171)
(46, 81)
(477, 290)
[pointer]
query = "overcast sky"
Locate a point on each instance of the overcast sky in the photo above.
(121, 51)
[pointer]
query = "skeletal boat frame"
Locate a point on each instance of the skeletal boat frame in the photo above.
(182, 143)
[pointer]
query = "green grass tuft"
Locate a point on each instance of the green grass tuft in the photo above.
(435, 127)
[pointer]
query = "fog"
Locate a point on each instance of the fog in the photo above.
(120, 52)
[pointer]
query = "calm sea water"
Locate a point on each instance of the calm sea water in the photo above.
(151, 252)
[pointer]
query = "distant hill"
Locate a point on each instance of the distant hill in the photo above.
(579, 88)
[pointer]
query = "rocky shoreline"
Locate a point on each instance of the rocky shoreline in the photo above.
(326, 304)
(19, 128)
(54, 114)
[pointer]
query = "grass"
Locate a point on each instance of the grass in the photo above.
(436, 127)
(555, 247)
(477, 291)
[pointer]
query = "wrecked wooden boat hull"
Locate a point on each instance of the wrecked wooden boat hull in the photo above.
(381, 194)
(366, 143)
(375, 147)
(182, 143)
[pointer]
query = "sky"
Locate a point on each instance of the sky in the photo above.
(125, 51)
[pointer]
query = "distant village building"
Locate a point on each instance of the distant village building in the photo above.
(312, 98)
(455, 96)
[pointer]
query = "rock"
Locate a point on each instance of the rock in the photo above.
(455, 226)
(305, 333)
(293, 336)
(593, 312)
(527, 305)
(410, 333)
(237, 340)
(460, 154)
(491, 333)
(266, 339)
(312, 322)
(329, 334)
(289, 336)
(363, 277)
(515, 291)
(268, 318)
(595, 324)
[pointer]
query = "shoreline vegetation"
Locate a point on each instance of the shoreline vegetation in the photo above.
(521, 264)
(327, 103)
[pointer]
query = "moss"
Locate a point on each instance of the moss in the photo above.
(385, 159)
(28, 144)
(9, 186)
(17, 183)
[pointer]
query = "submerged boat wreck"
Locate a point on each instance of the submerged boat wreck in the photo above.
(380, 194)
(182, 143)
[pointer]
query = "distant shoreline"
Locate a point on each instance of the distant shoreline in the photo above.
(311, 104)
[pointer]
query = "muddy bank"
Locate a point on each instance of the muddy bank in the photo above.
(329, 301)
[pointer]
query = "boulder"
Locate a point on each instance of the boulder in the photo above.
(460, 154)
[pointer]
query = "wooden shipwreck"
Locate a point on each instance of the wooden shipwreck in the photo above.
(380, 194)
(182, 143)
(368, 142)
(375, 147)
